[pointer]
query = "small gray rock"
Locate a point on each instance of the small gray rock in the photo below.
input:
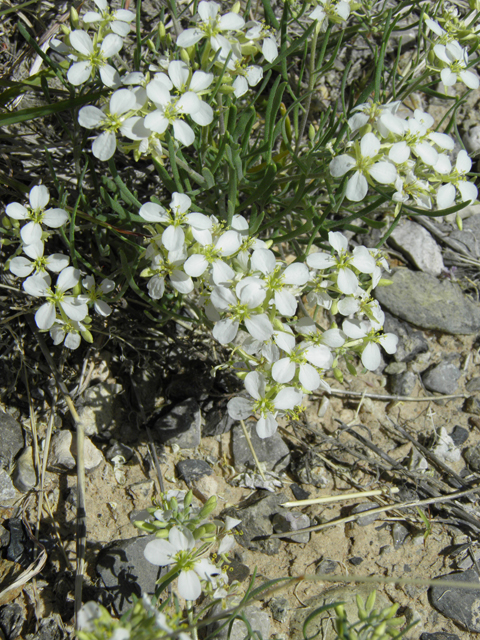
(11, 437)
(461, 605)
(11, 620)
(356, 561)
(24, 476)
(290, 522)
(473, 385)
(459, 435)
(7, 490)
(63, 451)
(193, 470)
(424, 301)
(272, 451)
(472, 456)
(181, 425)
(443, 378)
(279, 608)
(311, 470)
(4, 536)
(49, 630)
(399, 534)
(119, 449)
(366, 519)
(418, 246)
(403, 384)
(125, 572)
(326, 566)
(142, 490)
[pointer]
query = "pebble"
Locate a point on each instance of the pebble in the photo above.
(272, 451)
(439, 635)
(11, 620)
(259, 622)
(125, 572)
(279, 608)
(290, 522)
(118, 449)
(403, 384)
(97, 408)
(445, 448)
(442, 378)
(4, 536)
(472, 456)
(142, 490)
(428, 303)
(7, 490)
(193, 470)
(313, 472)
(11, 437)
(418, 246)
(19, 547)
(410, 342)
(356, 561)
(459, 435)
(460, 605)
(473, 385)
(472, 405)
(399, 534)
(365, 520)
(181, 425)
(24, 476)
(298, 492)
(63, 449)
(326, 566)
(256, 515)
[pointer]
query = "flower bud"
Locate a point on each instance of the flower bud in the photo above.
(236, 7)
(338, 375)
(87, 336)
(208, 507)
(187, 501)
(151, 45)
(74, 19)
(144, 526)
(311, 133)
(163, 533)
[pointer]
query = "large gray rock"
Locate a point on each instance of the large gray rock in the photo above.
(258, 620)
(125, 572)
(418, 245)
(461, 605)
(11, 437)
(429, 303)
(470, 235)
(24, 476)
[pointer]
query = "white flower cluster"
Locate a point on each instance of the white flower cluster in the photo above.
(251, 297)
(147, 105)
(407, 154)
(184, 537)
(91, 55)
(451, 59)
(63, 313)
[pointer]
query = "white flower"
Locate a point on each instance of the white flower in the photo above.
(367, 165)
(198, 83)
(67, 332)
(23, 267)
(179, 550)
(39, 286)
(468, 190)
(161, 268)
(256, 31)
(302, 356)
(170, 110)
(118, 21)
(38, 199)
(285, 400)
(212, 253)
(249, 76)
(283, 281)
(111, 119)
(456, 58)
(96, 293)
(361, 259)
(211, 26)
(89, 57)
(335, 11)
